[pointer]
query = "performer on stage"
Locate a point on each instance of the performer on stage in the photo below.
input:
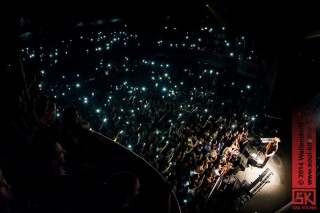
(272, 147)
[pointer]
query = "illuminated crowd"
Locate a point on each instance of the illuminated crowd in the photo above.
(180, 115)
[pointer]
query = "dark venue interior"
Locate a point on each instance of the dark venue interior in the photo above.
(193, 98)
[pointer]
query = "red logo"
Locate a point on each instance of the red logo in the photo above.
(303, 196)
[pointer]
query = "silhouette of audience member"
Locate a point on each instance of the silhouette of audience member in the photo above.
(5, 195)
(11, 198)
(76, 139)
(120, 193)
(52, 157)
(53, 187)
(72, 119)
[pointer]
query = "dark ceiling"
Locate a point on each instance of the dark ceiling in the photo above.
(247, 15)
